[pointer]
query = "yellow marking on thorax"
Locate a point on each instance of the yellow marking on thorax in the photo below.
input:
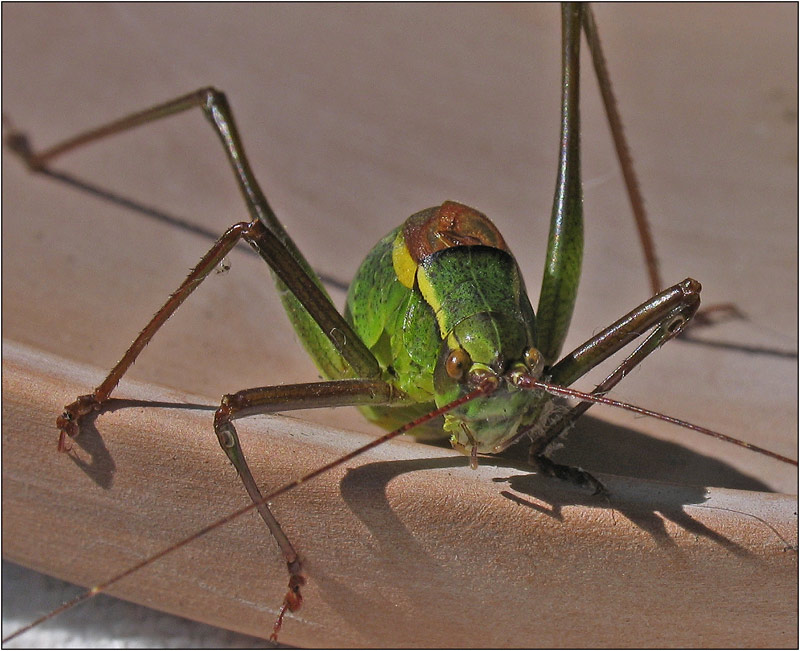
(404, 266)
(426, 289)
(407, 271)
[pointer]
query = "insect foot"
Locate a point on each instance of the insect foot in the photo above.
(293, 599)
(69, 421)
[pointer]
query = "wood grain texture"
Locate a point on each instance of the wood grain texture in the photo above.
(355, 117)
(401, 548)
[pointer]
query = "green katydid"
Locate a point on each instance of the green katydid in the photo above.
(447, 365)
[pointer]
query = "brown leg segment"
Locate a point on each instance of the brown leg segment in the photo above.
(668, 313)
(69, 421)
(727, 310)
(266, 400)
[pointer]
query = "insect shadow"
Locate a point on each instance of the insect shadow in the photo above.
(100, 466)
(364, 491)
(613, 452)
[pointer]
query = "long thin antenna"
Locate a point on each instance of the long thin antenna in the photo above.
(600, 399)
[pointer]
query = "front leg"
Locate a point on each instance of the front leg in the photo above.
(69, 421)
(666, 314)
(267, 400)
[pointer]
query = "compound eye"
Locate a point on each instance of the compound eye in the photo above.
(457, 363)
(534, 361)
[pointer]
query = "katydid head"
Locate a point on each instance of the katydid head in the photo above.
(454, 313)
(496, 350)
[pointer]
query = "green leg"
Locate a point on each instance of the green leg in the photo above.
(565, 242)
(324, 333)
(265, 400)
(562, 267)
(667, 314)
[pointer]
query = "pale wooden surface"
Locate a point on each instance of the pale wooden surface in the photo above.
(403, 548)
(356, 117)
